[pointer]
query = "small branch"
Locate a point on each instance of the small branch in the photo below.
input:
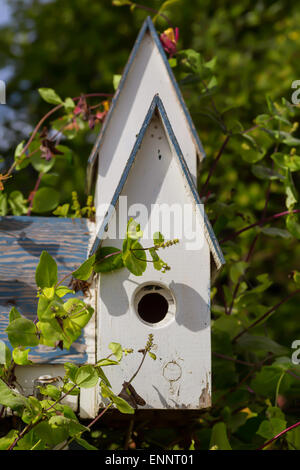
(88, 426)
(279, 435)
(265, 315)
(36, 187)
(152, 10)
(63, 279)
(228, 358)
(129, 433)
(139, 368)
(212, 168)
(44, 118)
(252, 371)
(261, 222)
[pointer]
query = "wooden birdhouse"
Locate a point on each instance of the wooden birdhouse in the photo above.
(144, 164)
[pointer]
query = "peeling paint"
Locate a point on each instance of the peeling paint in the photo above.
(205, 398)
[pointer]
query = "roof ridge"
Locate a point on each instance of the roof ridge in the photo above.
(147, 25)
(208, 231)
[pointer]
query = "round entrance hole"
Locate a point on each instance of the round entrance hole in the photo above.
(154, 304)
(153, 308)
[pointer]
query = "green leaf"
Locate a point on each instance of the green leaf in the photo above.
(293, 225)
(219, 439)
(18, 203)
(51, 435)
(46, 271)
(251, 152)
(116, 349)
(14, 314)
(86, 377)
(252, 343)
(7, 440)
(290, 162)
(3, 204)
(116, 81)
(192, 61)
(271, 428)
(71, 371)
(262, 118)
(67, 153)
(263, 172)
(290, 191)
(61, 291)
(80, 312)
(237, 270)
(158, 238)
(284, 137)
(275, 232)
(20, 356)
(51, 391)
(107, 362)
(158, 263)
(85, 271)
(121, 404)
(293, 439)
(102, 376)
(152, 355)
(134, 231)
(45, 200)
(21, 160)
(134, 257)
(41, 164)
(22, 332)
(5, 354)
(12, 399)
(173, 62)
(68, 388)
(266, 381)
(106, 261)
(69, 104)
(33, 410)
(50, 96)
(85, 444)
(62, 211)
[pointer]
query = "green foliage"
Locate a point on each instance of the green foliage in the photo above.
(237, 87)
(46, 271)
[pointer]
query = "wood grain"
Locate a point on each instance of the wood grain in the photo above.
(22, 240)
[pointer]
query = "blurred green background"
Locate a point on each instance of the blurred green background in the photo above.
(76, 46)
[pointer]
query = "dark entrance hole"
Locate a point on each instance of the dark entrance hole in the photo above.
(153, 307)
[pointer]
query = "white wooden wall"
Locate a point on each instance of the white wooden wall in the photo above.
(180, 377)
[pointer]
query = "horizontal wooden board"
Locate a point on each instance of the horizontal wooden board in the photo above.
(22, 240)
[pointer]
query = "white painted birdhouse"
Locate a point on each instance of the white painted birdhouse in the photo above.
(145, 166)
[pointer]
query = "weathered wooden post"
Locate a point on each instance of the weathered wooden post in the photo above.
(145, 159)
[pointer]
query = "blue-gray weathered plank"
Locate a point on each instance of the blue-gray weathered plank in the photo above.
(22, 240)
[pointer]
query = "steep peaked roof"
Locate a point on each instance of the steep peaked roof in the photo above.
(208, 231)
(147, 27)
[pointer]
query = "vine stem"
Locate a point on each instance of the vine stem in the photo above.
(30, 426)
(212, 169)
(279, 435)
(152, 10)
(261, 222)
(265, 315)
(44, 118)
(244, 379)
(32, 195)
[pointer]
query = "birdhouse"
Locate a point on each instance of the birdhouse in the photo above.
(144, 164)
